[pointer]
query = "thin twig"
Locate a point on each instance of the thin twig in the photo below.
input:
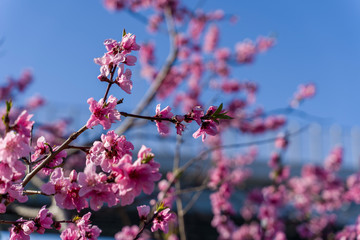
(160, 77)
(34, 192)
(179, 205)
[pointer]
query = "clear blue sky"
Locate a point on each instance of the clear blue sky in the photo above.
(317, 41)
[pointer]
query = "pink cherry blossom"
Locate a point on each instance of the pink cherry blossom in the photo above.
(128, 43)
(21, 231)
(162, 220)
(109, 150)
(129, 233)
(23, 125)
(207, 127)
(94, 186)
(162, 125)
(13, 146)
(103, 113)
(82, 229)
(131, 178)
(65, 189)
(124, 79)
(143, 211)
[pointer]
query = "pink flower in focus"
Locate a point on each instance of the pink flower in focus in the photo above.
(110, 44)
(162, 220)
(104, 114)
(128, 43)
(109, 150)
(65, 189)
(70, 233)
(13, 146)
(28, 227)
(81, 230)
(94, 186)
(124, 79)
(23, 125)
(131, 178)
(163, 125)
(43, 220)
(18, 233)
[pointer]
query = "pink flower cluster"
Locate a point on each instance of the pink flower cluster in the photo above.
(82, 230)
(117, 55)
(208, 122)
(103, 113)
(13, 146)
(22, 228)
(120, 181)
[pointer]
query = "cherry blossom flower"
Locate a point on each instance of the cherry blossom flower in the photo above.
(124, 79)
(162, 220)
(109, 150)
(94, 186)
(23, 125)
(13, 146)
(128, 43)
(103, 113)
(162, 125)
(129, 233)
(43, 220)
(131, 178)
(143, 211)
(65, 189)
(82, 229)
(207, 127)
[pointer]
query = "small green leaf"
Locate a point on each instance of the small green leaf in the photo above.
(147, 158)
(8, 105)
(218, 110)
(160, 207)
(124, 32)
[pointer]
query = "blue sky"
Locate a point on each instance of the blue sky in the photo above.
(317, 41)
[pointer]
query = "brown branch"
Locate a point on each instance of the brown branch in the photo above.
(51, 156)
(154, 118)
(179, 205)
(34, 192)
